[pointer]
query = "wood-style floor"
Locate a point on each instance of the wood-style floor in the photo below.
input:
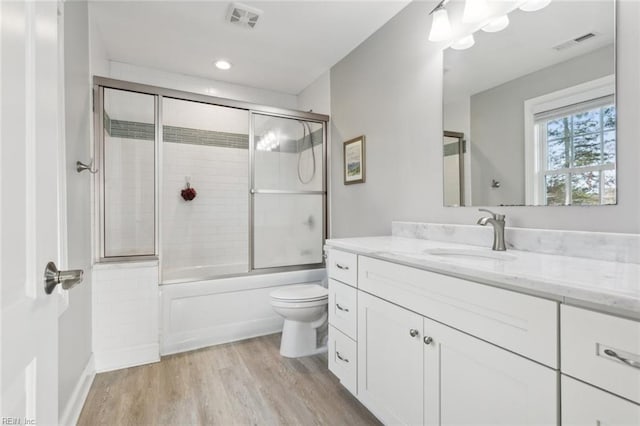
(240, 383)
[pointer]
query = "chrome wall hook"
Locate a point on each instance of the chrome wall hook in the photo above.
(81, 167)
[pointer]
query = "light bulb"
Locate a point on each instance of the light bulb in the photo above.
(533, 5)
(475, 11)
(440, 26)
(464, 43)
(497, 24)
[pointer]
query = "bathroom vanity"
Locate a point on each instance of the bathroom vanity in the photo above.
(431, 332)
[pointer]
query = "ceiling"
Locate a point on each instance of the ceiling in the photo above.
(293, 43)
(526, 45)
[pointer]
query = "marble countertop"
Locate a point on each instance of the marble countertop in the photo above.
(607, 286)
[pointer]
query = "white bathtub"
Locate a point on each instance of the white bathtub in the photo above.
(208, 312)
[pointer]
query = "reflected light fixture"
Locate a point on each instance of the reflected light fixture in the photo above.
(497, 24)
(440, 25)
(533, 5)
(475, 11)
(464, 43)
(223, 64)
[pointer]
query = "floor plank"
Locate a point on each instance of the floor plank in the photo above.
(239, 383)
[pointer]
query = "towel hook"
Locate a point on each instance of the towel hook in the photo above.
(81, 167)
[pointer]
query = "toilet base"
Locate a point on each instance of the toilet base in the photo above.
(300, 339)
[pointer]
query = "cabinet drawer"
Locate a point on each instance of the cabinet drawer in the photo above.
(343, 307)
(523, 324)
(583, 404)
(343, 266)
(594, 347)
(342, 359)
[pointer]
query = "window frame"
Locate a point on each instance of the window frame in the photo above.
(535, 143)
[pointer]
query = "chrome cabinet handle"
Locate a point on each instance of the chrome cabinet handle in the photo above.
(344, 268)
(413, 332)
(627, 361)
(428, 340)
(341, 358)
(341, 308)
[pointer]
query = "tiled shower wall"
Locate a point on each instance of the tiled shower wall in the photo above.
(212, 229)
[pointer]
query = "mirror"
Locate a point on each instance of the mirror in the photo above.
(529, 112)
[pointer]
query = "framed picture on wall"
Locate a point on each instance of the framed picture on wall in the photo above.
(354, 161)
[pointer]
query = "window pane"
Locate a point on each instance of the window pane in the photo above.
(585, 188)
(586, 150)
(129, 173)
(556, 190)
(609, 155)
(586, 122)
(558, 128)
(609, 117)
(609, 195)
(558, 153)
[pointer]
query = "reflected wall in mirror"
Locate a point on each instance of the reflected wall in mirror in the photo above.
(533, 108)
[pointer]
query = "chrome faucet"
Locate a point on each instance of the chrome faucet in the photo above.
(497, 221)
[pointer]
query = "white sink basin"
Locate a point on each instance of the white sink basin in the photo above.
(470, 254)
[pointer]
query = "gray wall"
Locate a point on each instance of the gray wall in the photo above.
(75, 323)
(497, 124)
(390, 89)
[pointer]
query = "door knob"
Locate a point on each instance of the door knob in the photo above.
(68, 279)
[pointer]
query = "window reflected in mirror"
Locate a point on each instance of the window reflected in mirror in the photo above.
(536, 110)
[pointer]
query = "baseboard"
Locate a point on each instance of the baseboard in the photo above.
(187, 341)
(72, 410)
(127, 357)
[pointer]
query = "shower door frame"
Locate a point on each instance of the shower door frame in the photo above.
(101, 83)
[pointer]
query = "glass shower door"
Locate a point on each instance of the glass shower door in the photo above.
(288, 191)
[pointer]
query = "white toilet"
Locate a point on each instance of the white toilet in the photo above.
(304, 309)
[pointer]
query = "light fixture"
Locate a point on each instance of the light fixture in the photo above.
(475, 11)
(440, 26)
(497, 24)
(464, 43)
(533, 5)
(223, 64)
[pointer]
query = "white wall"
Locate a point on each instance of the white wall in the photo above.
(390, 89)
(316, 97)
(74, 345)
(154, 77)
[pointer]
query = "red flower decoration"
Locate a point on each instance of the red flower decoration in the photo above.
(188, 193)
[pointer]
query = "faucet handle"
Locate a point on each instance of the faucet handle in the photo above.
(496, 216)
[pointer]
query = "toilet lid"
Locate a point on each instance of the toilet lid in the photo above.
(300, 292)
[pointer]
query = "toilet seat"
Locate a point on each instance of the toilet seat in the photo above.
(292, 304)
(300, 293)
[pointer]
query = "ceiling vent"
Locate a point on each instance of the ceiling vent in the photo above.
(574, 42)
(243, 15)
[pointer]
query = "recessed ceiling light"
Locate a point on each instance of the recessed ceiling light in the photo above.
(223, 64)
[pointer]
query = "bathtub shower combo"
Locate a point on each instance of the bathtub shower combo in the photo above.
(215, 191)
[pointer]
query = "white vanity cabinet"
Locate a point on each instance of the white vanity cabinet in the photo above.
(342, 268)
(604, 351)
(413, 370)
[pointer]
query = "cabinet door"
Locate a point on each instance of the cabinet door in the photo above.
(390, 361)
(469, 381)
(584, 405)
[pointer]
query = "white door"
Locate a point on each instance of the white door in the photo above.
(29, 120)
(389, 361)
(584, 405)
(471, 382)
